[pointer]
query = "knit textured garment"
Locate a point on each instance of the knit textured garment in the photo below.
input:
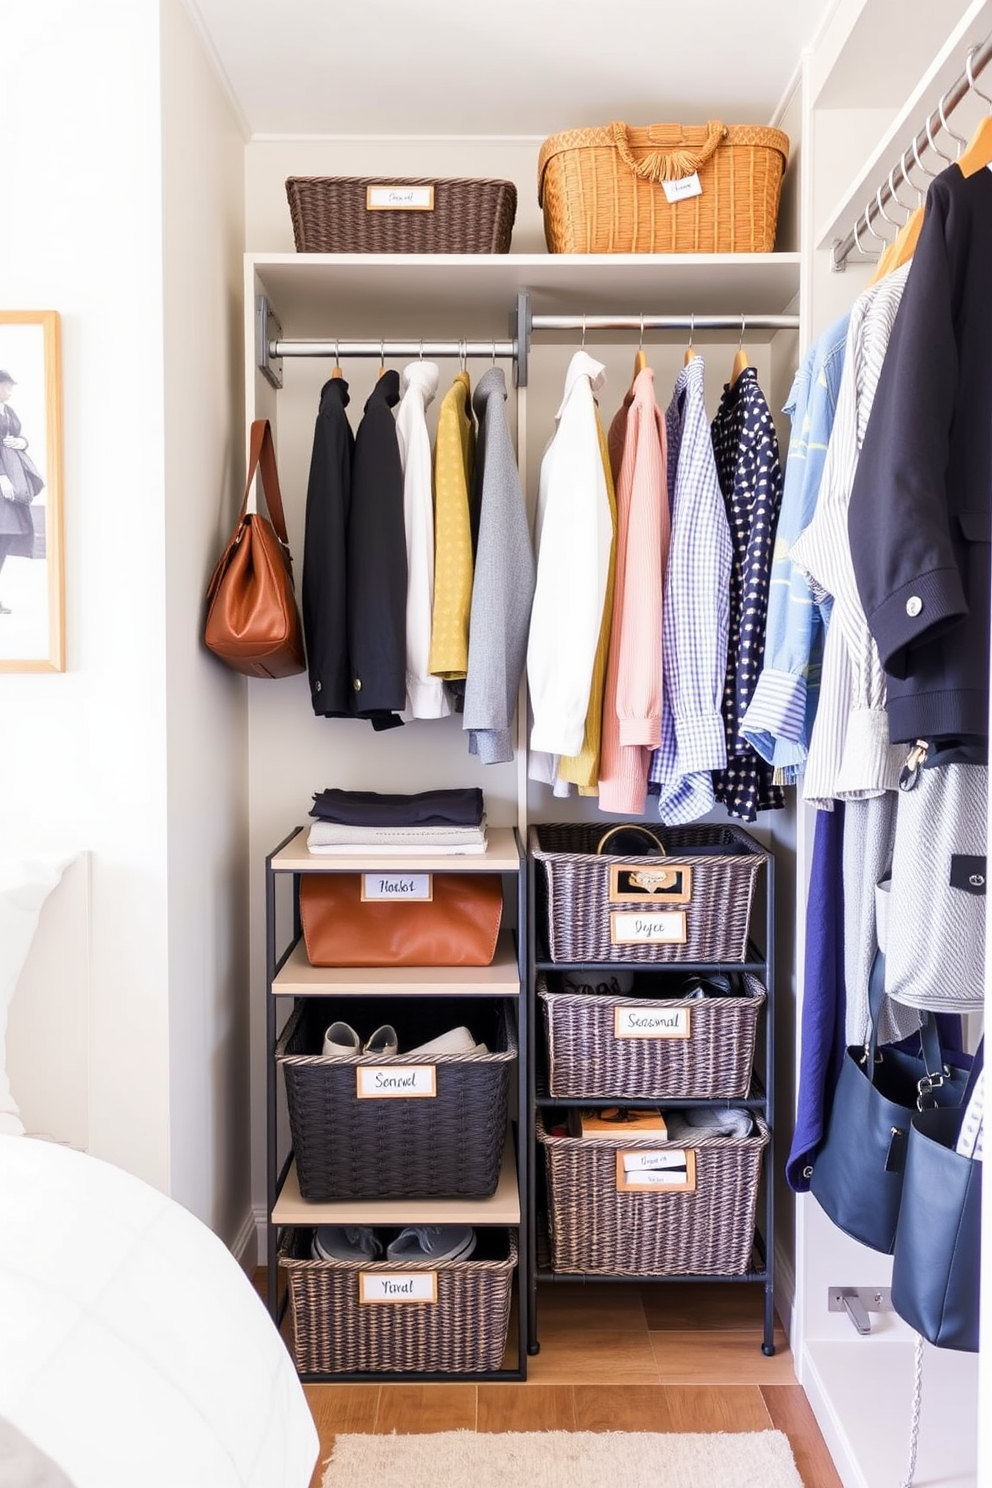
(503, 587)
(454, 457)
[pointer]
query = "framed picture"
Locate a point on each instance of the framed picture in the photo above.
(32, 571)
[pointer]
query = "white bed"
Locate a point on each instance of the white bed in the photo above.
(133, 1348)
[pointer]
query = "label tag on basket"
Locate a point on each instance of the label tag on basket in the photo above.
(676, 191)
(397, 1286)
(651, 1023)
(671, 1168)
(416, 886)
(399, 198)
(396, 1082)
(631, 881)
(629, 927)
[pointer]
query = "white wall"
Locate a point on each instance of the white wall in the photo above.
(124, 173)
(207, 741)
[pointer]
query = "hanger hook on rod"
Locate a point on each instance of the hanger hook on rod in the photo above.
(740, 343)
(916, 156)
(421, 348)
(640, 343)
(881, 207)
(866, 214)
(337, 357)
(583, 331)
(857, 238)
(893, 193)
(382, 356)
(462, 354)
(958, 139)
(949, 159)
(970, 75)
(494, 353)
(692, 326)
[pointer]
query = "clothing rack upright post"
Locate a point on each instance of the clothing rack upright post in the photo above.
(978, 58)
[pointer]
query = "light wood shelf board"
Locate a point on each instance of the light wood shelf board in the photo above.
(501, 978)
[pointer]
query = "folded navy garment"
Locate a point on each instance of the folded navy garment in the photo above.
(433, 808)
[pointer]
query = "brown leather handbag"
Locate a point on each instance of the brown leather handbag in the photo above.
(458, 926)
(253, 623)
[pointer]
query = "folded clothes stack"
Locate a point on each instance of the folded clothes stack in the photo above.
(440, 822)
(695, 1123)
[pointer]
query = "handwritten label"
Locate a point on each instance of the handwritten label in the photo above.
(642, 1170)
(627, 927)
(651, 1023)
(416, 886)
(397, 1286)
(676, 191)
(647, 881)
(399, 198)
(396, 1082)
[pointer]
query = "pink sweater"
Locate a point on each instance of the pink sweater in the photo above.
(632, 704)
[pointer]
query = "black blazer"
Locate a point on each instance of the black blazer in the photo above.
(920, 504)
(377, 574)
(325, 554)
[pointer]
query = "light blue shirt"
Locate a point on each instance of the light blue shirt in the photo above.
(779, 719)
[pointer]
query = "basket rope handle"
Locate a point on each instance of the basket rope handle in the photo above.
(670, 166)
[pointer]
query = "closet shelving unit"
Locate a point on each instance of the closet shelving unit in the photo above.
(290, 976)
(324, 306)
(759, 1100)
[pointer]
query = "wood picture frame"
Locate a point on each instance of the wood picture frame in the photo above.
(32, 561)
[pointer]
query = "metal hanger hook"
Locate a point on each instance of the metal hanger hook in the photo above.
(740, 344)
(866, 214)
(462, 355)
(881, 207)
(421, 348)
(640, 343)
(970, 75)
(916, 157)
(933, 144)
(892, 185)
(583, 331)
(958, 139)
(861, 249)
(337, 357)
(692, 326)
(494, 353)
(382, 355)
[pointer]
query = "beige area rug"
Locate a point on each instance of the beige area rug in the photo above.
(564, 1459)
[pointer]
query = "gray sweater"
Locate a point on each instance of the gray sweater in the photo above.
(503, 587)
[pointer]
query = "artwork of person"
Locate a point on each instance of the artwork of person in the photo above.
(20, 483)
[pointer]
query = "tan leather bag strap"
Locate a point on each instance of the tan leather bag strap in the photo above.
(262, 454)
(667, 165)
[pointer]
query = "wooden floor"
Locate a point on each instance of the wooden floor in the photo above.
(613, 1358)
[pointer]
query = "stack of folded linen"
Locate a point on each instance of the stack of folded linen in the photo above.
(446, 822)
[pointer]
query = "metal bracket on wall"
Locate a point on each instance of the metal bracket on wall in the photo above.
(858, 1302)
(520, 332)
(267, 329)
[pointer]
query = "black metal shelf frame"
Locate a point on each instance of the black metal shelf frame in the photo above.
(276, 1173)
(761, 1098)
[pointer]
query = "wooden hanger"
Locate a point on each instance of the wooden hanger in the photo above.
(689, 351)
(741, 361)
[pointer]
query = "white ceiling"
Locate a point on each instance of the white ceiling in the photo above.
(516, 67)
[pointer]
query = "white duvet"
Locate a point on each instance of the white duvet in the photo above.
(133, 1349)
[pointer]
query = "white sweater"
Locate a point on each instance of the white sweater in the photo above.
(425, 694)
(573, 536)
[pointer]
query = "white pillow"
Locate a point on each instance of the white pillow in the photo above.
(25, 884)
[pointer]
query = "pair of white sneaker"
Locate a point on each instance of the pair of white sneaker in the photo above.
(342, 1042)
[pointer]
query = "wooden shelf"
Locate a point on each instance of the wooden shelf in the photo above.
(501, 856)
(501, 978)
(343, 294)
(502, 1209)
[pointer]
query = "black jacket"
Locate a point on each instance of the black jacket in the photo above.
(920, 505)
(377, 564)
(325, 553)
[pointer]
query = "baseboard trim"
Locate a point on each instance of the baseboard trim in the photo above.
(246, 1245)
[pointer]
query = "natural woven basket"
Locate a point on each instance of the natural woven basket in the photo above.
(449, 1146)
(594, 1229)
(572, 882)
(587, 1061)
(464, 1331)
(601, 189)
(330, 215)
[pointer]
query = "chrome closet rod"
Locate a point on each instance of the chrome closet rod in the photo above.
(341, 348)
(959, 90)
(665, 322)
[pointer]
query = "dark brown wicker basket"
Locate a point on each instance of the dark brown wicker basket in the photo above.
(594, 1229)
(572, 882)
(330, 215)
(587, 1061)
(464, 1331)
(448, 1146)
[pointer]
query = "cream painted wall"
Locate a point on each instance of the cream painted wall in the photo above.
(206, 721)
(127, 174)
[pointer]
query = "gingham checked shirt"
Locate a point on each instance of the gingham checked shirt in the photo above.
(696, 612)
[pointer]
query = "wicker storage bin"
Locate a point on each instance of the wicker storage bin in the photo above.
(602, 192)
(331, 214)
(594, 1229)
(464, 1331)
(587, 1060)
(575, 912)
(446, 1146)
